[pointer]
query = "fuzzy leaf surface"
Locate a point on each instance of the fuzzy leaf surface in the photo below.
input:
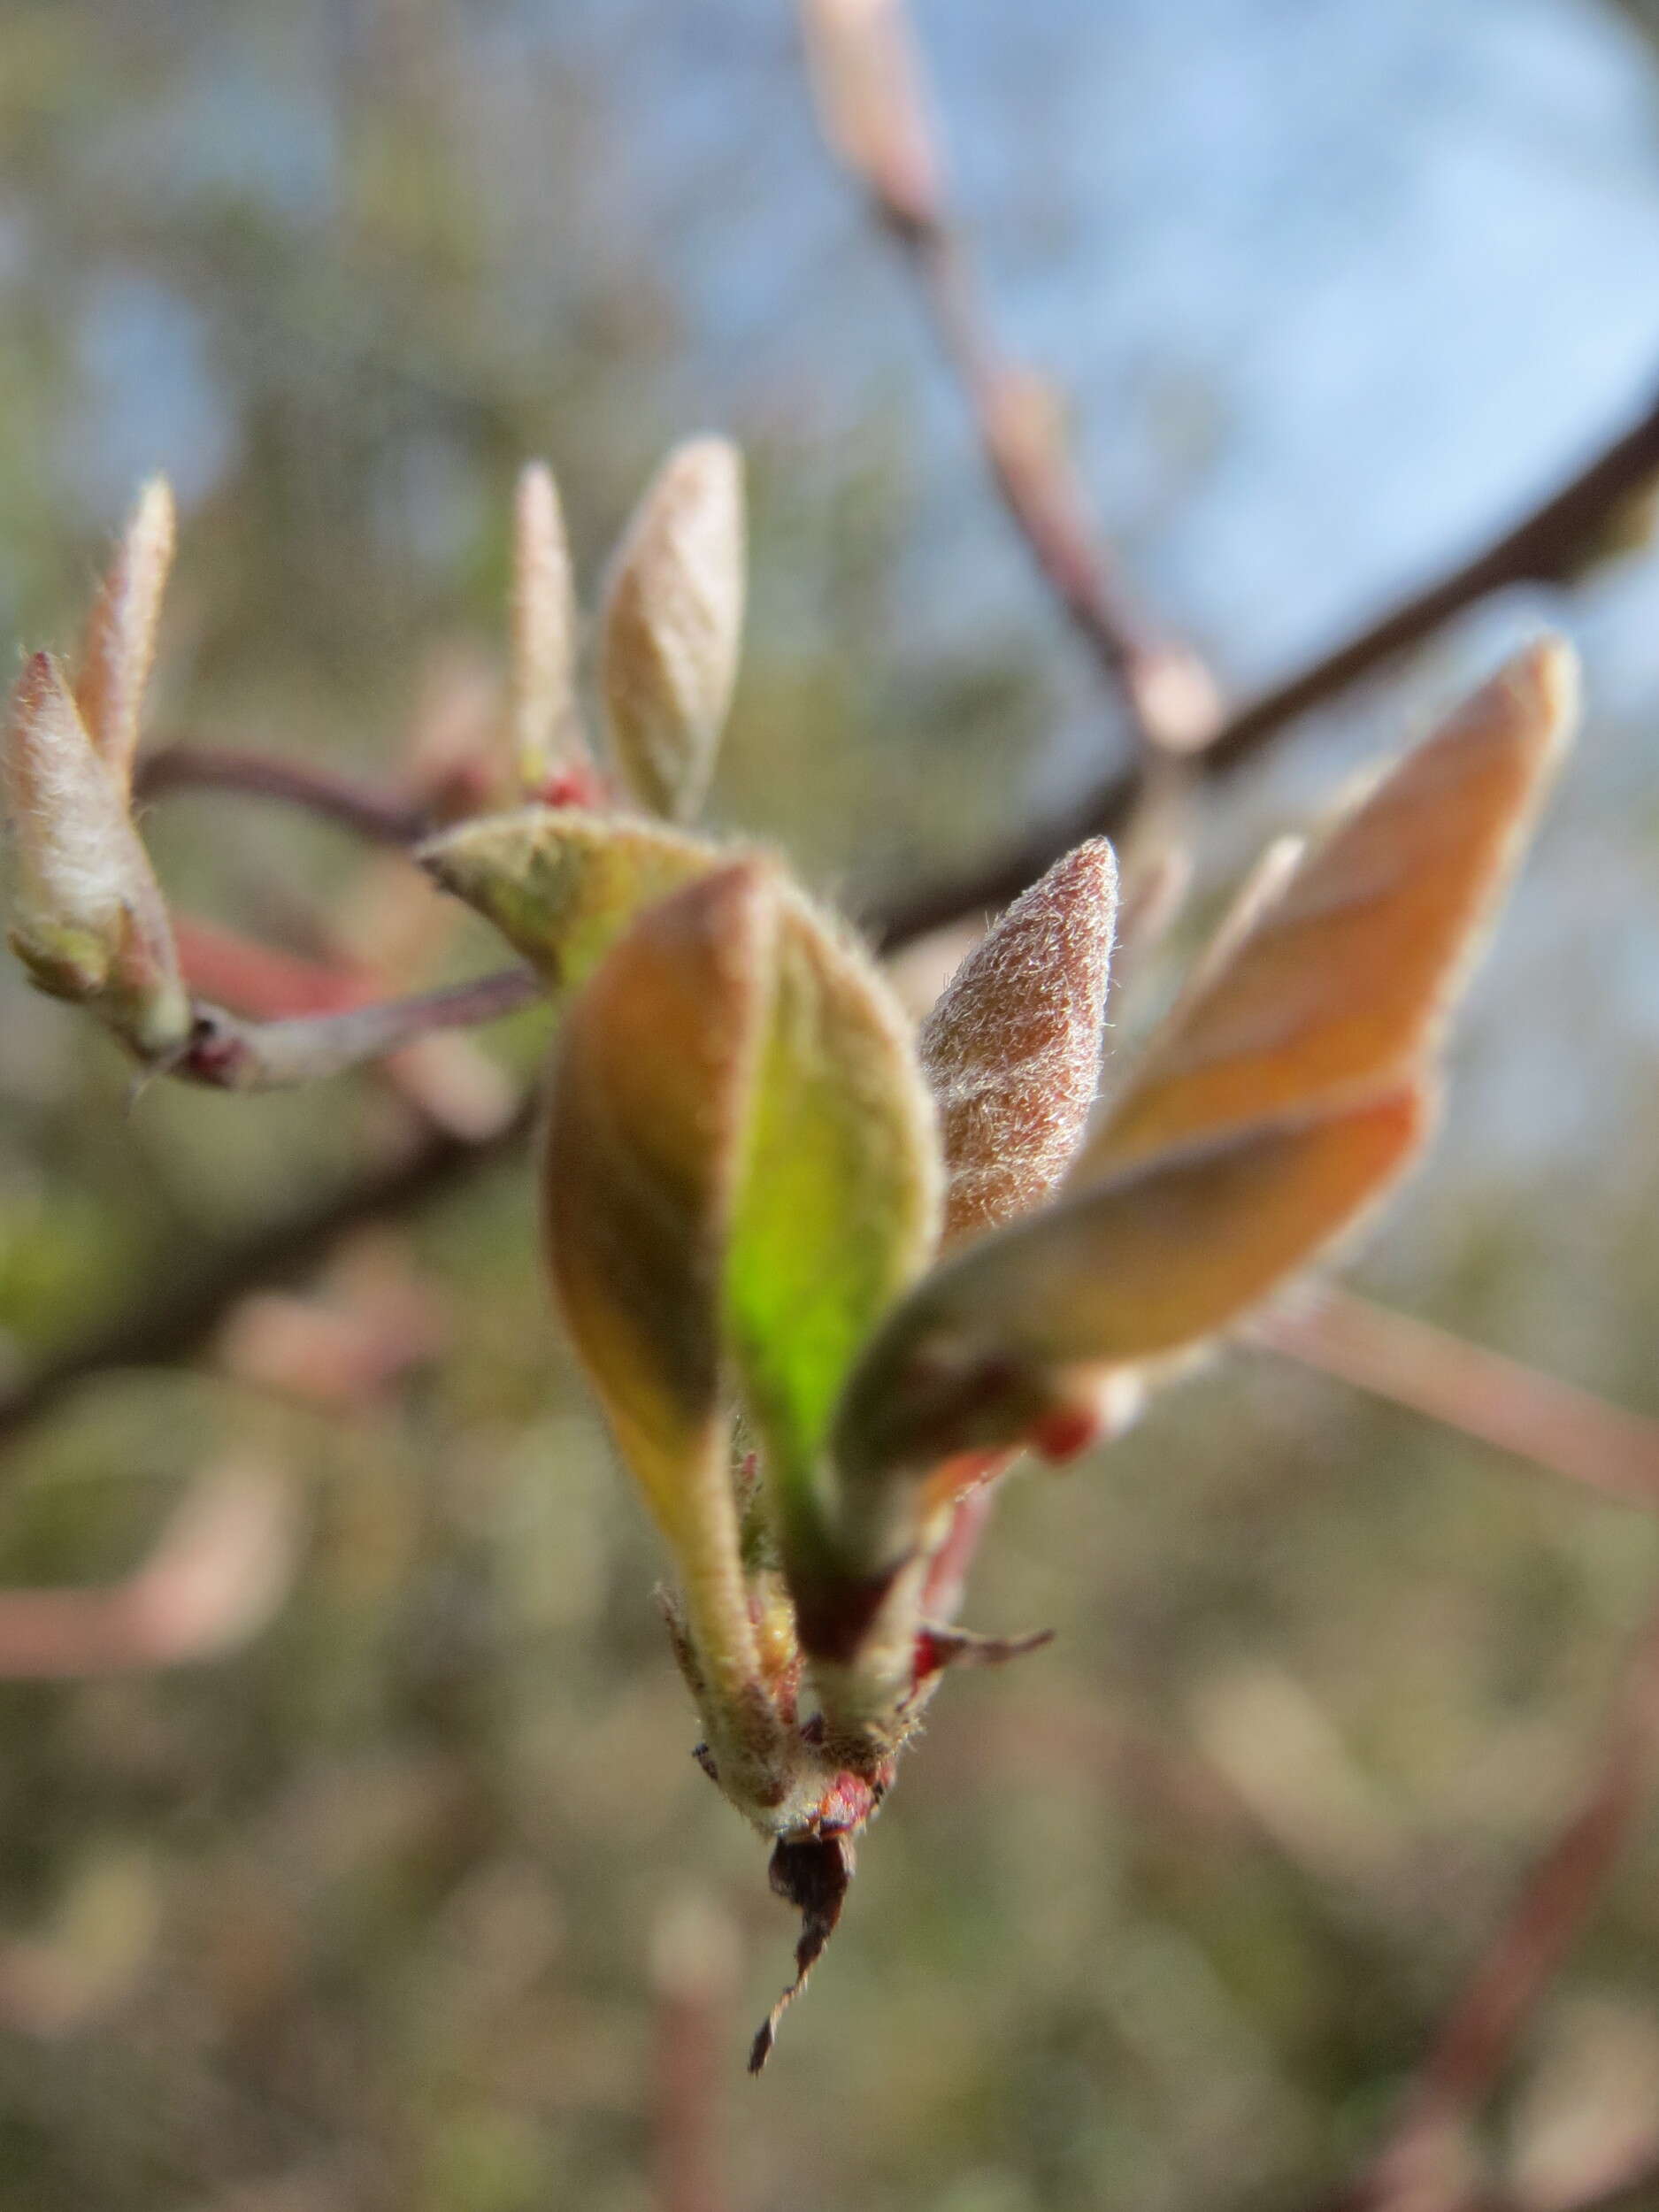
(562, 885)
(1012, 1050)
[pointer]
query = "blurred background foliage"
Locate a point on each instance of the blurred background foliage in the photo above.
(405, 1904)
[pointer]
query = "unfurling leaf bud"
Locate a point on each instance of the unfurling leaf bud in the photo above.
(651, 1078)
(672, 626)
(87, 918)
(118, 649)
(1011, 1051)
(562, 885)
(548, 736)
(1290, 1085)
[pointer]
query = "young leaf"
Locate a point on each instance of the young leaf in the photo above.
(547, 722)
(120, 647)
(838, 1198)
(1286, 1091)
(655, 1064)
(1016, 1328)
(1344, 972)
(88, 917)
(1011, 1051)
(672, 625)
(560, 885)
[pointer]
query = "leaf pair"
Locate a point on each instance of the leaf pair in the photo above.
(1285, 1092)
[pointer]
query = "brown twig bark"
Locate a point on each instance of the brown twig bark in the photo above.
(1512, 1407)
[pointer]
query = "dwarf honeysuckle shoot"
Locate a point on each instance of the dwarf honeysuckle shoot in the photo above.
(828, 1277)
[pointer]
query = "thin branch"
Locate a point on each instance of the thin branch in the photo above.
(179, 1307)
(693, 1970)
(229, 1054)
(1171, 698)
(867, 78)
(1557, 1425)
(1478, 2035)
(385, 818)
(220, 1568)
(1544, 546)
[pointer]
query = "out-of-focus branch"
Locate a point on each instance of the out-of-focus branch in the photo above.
(383, 817)
(693, 1970)
(867, 77)
(1634, 2189)
(1478, 2035)
(1546, 546)
(1553, 1424)
(182, 1302)
(217, 1571)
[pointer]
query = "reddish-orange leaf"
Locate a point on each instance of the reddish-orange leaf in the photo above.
(1340, 978)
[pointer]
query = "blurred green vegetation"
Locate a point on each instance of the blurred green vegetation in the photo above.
(369, 1914)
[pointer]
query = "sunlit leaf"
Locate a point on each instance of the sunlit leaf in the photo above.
(1348, 959)
(561, 885)
(838, 1201)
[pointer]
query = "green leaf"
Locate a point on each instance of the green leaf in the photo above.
(837, 1203)
(562, 885)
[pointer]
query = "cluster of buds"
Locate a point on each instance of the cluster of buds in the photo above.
(830, 1277)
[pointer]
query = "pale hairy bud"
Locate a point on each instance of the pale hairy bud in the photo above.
(87, 915)
(118, 649)
(866, 86)
(672, 624)
(547, 722)
(1011, 1051)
